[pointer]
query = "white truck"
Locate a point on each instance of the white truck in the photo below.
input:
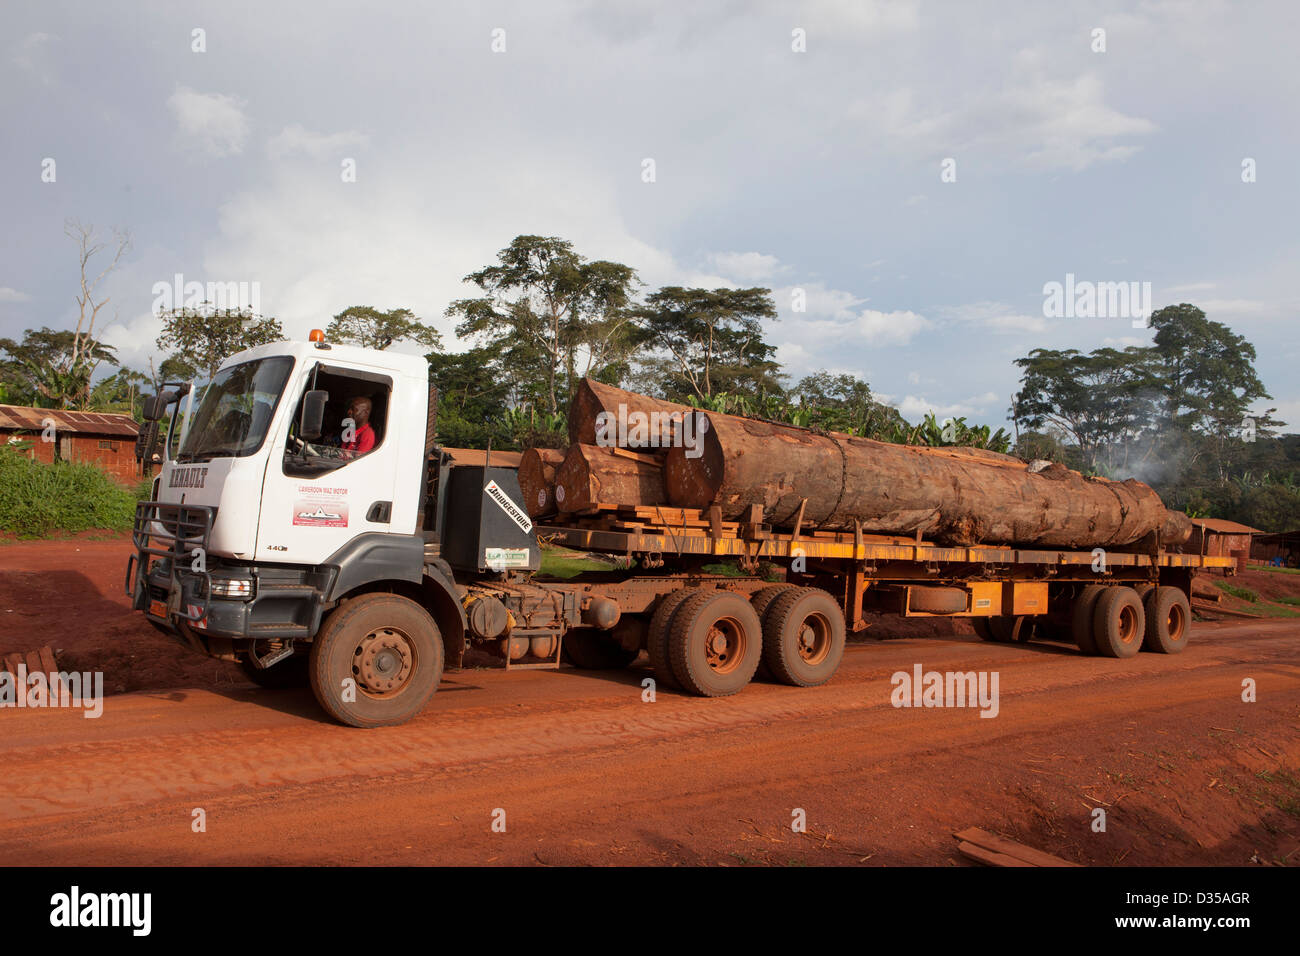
(268, 543)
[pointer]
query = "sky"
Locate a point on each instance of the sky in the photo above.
(907, 177)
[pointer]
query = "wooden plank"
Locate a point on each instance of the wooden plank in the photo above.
(988, 856)
(997, 844)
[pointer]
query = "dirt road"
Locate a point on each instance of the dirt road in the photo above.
(586, 771)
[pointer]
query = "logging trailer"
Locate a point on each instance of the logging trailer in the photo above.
(364, 575)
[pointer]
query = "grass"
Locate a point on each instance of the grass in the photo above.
(1245, 594)
(38, 500)
(560, 562)
(1290, 599)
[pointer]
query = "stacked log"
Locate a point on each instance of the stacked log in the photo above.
(591, 475)
(955, 497)
(648, 424)
(537, 469)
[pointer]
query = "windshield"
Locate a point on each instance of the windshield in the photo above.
(235, 411)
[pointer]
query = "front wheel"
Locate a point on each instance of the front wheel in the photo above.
(377, 661)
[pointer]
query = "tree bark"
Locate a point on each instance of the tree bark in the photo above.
(592, 398)
(537, 468)
(592, 475)
(954, 496)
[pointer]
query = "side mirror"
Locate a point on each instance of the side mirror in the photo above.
(313, 414)
(155, 406)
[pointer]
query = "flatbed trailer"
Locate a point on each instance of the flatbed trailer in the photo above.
(365, 575)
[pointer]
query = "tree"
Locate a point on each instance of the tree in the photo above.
(473, 398)
(370, 328)
(51, 368)
(844, 403)
(713, 340)
(549, 310)
(1101, 400)
(203, 337)
(85, 352)
(120, 392)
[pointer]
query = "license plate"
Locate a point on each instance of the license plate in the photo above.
(158, 608)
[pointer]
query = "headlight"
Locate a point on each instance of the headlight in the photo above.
(235, 588)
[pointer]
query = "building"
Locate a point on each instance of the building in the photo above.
(1280, 550)
(1223, 538)
(104, 439)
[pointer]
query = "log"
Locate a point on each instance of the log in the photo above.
(537, 468)
(477, 456)
(956, 499)
(591, 476)
(593, 398)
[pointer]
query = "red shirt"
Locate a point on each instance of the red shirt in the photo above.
(363, 440)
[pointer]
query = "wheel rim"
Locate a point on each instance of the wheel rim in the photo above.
(1176, 623)
(383, 662)
(1127, 625)
(725, 645)
(814, 639)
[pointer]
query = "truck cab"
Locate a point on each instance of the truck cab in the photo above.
(278, 521)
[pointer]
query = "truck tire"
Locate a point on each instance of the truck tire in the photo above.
(937, 600)
(762, 601)
(656, 639)
(803, 637)
(983, 630)
(281, 676)
(1081, 618)
(591, 649)
(715, 643)
(1119, 623)
(1001, 629)
(390, 649)
(1169, 618)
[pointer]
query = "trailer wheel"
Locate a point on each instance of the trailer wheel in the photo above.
(377, 661)
(715, 643)
(1169, 617)
(591, 649)
(1119, 623)
(281, 676)
(656, 639)
(984, 629)
(803, 637)
(1011, 628)
(1081, 618)
(762, 600)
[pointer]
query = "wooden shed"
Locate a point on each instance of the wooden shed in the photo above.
(1215, 536)
(104, 439)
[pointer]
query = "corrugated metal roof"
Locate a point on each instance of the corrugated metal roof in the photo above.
(1224, 527)
(87, 423)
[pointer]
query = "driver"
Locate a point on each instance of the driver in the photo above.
(363, 436)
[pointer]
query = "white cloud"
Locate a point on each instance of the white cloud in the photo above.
(994, 316)
(32, 54)
(12, 295)
(210, 123)
(297, 139)
(745, 266)
(914, 408)
(1124, 341)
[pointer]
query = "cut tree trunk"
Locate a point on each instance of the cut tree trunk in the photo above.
(648, 423)
(537, 468)
(954, 497)
(591, 475)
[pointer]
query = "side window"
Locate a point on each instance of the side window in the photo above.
(355, 425)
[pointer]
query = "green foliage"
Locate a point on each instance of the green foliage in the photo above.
(1245, 594)
(472, 398)
(703, 342)
(370, 328)
(51, 369)
(551, 316)
(201, 338)
(38, 499)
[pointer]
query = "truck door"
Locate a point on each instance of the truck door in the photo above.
(320, 494)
